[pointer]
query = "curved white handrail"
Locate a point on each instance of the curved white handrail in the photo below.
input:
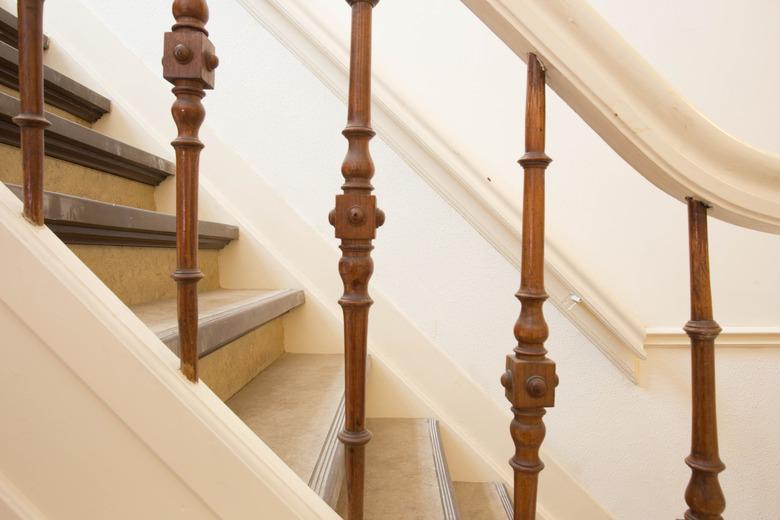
(627, 102)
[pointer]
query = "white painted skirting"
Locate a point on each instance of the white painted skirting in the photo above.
(735, 337)
(617, 334)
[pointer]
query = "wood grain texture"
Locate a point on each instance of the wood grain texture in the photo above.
(356, 218)
(31, 120)
(188, 63)
(530, 378)
(703, 495)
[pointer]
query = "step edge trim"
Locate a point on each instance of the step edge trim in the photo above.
(327, 477)
(446, 490)
(60, 90)
(506, 502)
(217, 329)
(75, 143)
(63, 208)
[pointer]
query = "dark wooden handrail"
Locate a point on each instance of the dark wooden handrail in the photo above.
(31, 120)
(356, 219)
(188, 63)
(530, 377)
(704, 496)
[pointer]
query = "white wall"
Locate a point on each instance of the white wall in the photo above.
(624, 443)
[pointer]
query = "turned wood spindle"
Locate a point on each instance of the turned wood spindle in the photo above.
(530, 378)
(703, 495)
(188, 63)
(31, 120)
(356, 219)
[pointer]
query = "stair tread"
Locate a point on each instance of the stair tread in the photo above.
(482, 501)
(78, 144)
(401, 473)
(58, 90)
(77, 220)
(224, 315)
(291, 406)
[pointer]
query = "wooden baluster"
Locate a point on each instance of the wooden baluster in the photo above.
(31, 120)
(356, 218)
(530, 378)
(704, 496)
(188, 63)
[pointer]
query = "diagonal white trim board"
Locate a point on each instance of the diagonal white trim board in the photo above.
(617, 334)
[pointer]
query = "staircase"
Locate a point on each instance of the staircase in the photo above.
(100, 199)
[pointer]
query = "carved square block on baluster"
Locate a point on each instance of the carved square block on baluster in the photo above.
(533, 383)
(355, 216)
(189, 55)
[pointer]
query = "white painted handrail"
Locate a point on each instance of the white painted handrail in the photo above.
(627, 102)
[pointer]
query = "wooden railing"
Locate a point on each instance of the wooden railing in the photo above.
(356, 219)
(704, 496)
(188, 63)
(530, 378)
(31, 120)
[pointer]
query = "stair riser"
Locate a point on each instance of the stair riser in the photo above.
(483, 501)
(73, 179)
(230, 368)
(139, 275)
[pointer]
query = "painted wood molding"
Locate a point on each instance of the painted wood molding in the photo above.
(637, 112)
(617, 334)
(731, 337)
(134, 367)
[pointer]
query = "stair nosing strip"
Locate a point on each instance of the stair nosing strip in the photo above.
(220, 327)
(503, 496)
(446, 491)
(59, 90)
(326, 460)
(69, 215)
(9, 31)
(72, 142)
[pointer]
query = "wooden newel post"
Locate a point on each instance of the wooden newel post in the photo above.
(356, 219)
(31, 120)
(188, 63)
(704, 496)
(530, 378)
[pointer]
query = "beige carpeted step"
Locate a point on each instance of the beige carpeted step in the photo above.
(74, 179)
(406, 473)
(291, 406)
(483, 501)
(139, 275)
(239, 334)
